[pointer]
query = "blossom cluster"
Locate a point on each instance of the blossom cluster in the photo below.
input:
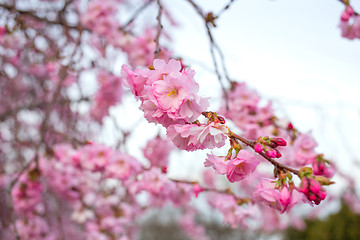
(103, 187)
(169, 96)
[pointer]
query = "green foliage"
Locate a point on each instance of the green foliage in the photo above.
(344, 225)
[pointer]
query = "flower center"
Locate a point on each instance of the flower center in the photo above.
(240, 166)
(173, 92)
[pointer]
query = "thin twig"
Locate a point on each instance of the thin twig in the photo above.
(226, 7)
(31, 106)
(222, 59)
(136, 14)
(40, 19)
(213, 45)
(197, 8)
(159, 29)
(227, 191)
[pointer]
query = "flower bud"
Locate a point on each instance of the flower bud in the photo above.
(324, 180)
(349, 10)
(258, 148)
(278, 154)
(197, 189)
(272, 153)
(345, 16)
(279, 141)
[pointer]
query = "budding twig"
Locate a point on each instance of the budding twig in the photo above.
(272, 161)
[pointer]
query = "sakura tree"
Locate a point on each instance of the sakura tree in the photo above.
(69, 65)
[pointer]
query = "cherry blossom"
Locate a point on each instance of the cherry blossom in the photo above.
(241, 166)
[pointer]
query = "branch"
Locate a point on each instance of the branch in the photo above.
(40, 19)
(32, 106)
(212, 44)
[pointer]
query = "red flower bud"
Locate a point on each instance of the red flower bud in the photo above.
(279, 141)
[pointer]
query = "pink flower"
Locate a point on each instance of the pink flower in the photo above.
(181, 135)
(350, 24)
(122, 166)
(135, 80)
(210, 135)
(312, 190)
(93, 157)
(197, 189)
(241, 166)
(161, 67)
(171, 92)
(191, 137)
(304, 149)
(154, 114)
(109, 94)
(228, 206)
(217, 163)
(26, 195)
(282, 199)
(35, 227)
(157, 152)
